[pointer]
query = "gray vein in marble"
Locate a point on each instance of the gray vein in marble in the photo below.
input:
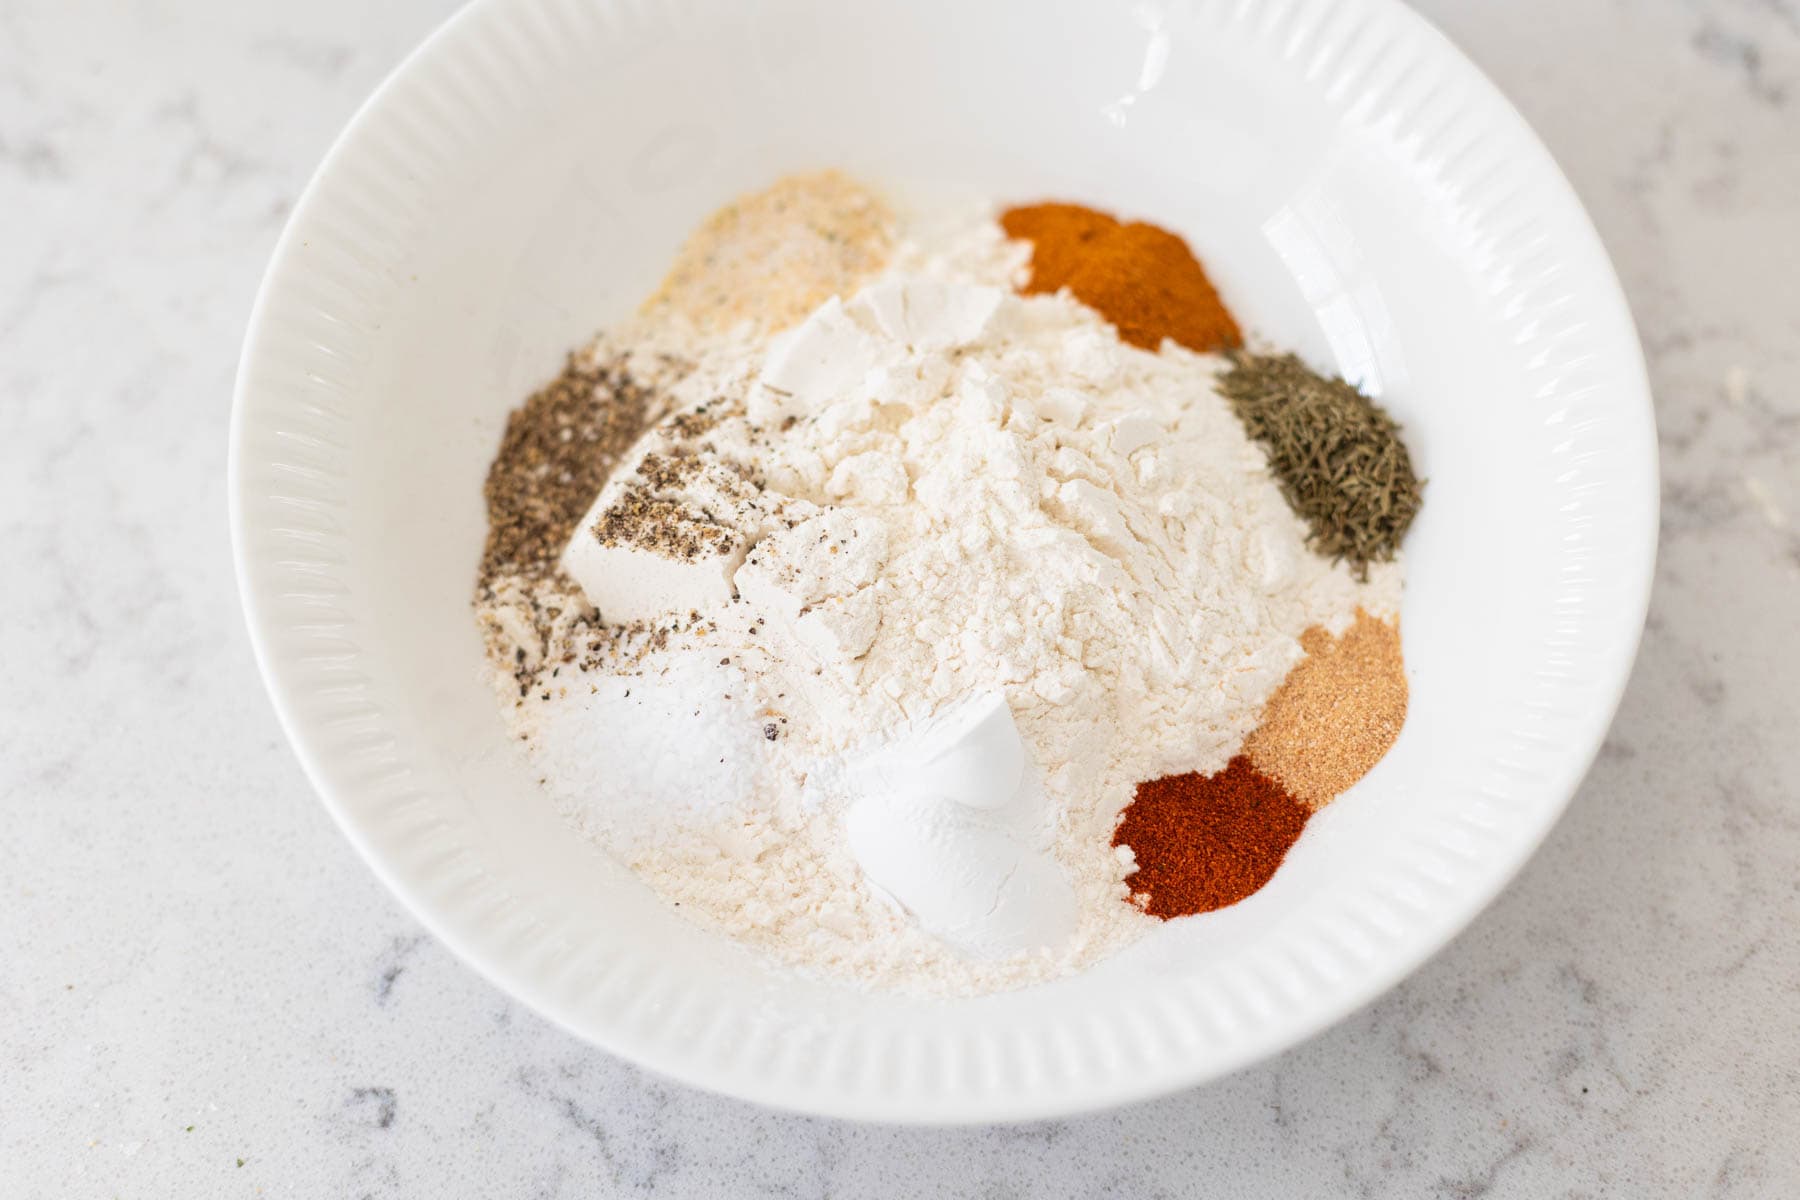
(323, 59)
(392, 965)
(1743, 56)
(378, 1103)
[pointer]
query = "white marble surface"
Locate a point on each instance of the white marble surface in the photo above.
(204, 993)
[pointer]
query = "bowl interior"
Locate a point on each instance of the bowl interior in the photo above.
(1356, 191)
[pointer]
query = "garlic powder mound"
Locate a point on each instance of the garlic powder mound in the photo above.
(769, 258)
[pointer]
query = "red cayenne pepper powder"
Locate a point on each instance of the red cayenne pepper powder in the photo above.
(1207, 841)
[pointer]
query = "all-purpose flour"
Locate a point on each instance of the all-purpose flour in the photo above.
(935, 490)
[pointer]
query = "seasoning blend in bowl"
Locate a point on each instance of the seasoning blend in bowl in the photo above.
(940, 611)
(794, 782)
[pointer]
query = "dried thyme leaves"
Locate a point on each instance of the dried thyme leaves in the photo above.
(1337, 456)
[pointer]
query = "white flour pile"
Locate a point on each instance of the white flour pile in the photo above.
(933, 491)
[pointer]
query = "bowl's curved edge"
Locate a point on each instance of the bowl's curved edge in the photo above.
(256, 618)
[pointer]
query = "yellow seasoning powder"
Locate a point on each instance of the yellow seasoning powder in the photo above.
(1336, 714)
(769, 258)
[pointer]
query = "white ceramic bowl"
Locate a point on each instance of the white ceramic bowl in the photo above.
(1356, 188)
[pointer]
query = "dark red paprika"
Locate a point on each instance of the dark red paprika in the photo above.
(1207, 841)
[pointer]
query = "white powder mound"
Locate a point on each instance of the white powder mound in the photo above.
(649, 758)
(950, 824)
(673, 773)
(955, 491)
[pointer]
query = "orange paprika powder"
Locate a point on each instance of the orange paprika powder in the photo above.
(1141, 278)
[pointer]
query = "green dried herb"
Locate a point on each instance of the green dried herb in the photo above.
(1337, 456)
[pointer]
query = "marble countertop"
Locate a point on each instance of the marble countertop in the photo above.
(203, 992)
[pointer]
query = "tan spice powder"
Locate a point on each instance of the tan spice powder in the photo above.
(773, 256)
(1336, 714)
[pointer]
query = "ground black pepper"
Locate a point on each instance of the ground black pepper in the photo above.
(558, 450)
